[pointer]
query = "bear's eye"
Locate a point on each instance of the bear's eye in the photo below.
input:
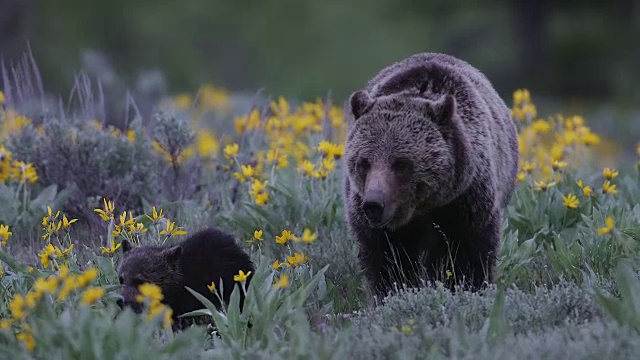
(121, 279)
(363, 165)
(402, 166)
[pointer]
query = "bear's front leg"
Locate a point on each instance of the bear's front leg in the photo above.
(474, 248)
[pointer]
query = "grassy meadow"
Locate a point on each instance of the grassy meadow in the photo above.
(269, 170)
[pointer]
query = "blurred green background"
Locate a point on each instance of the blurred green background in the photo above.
(576, 55)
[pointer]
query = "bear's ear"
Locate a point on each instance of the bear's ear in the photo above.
(173, 253)
(126, 246)
(444, 109)
(360, 103)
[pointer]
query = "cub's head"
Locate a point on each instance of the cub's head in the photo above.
(148, 264)
(400, 154)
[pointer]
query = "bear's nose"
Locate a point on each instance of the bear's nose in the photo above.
(373, 206)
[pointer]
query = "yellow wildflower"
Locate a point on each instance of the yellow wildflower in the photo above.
(306, 167)
(521, 96)
(18, 307)
(170, 229)
(156, 216)
(280, 108)
(131, 136)
(241, 277)
(543, 186)
(71, 283)
(282, 282)
(4, 234)
(182, 101)
(87, 276)
(320, 174)
(609, 174)
(167, 320)
(110, 250)
(2, 99)
(91, 295)
(286, 236)
(124, 222)
(528, 167)
(557, 165)
(273, 157)
(522, 176)
(207, 144)
(247, 123)
(137, 228)
(262, 199)
(308, 236)
(607, 188)
(277, 265)
(608, 229)
(297, 259)
(258, 235)
(66, 223)
(67, 251)
(247, 172)
(107, 213)
(5, 324)
(63, 272)
(328, 164)
(571, 201)
(27, 340)
(231, 150)
(330, 150)
(214, 98)
(586, 189)
(149, 291)
(541, 126)
(31, 298)
(212, 287)
(117, 230)
(46, 286)
(258, 186)
(21, 171)
(49, 252)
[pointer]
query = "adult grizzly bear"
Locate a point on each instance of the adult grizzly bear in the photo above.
(431, 160)
(208, 255)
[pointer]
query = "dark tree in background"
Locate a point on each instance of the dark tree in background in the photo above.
(13, 25)
(569, 49)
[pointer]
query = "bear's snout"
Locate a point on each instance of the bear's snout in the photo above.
(373, 206)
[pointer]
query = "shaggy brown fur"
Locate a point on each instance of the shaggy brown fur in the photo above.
(206, 256)
(431, 157)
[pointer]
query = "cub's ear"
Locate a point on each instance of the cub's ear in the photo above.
(360, 103)
(444, 109)
(172, 254)
(126, 246)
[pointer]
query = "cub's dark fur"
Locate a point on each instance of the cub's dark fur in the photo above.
(206, 256)
(431, 157)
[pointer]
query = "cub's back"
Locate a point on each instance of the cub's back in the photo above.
(212, 253)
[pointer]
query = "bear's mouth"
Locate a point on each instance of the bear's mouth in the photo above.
(379, 224)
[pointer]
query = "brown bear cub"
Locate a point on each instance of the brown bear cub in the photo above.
(431, 160)
(204, 257)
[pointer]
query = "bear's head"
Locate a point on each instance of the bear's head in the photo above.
(403, 154)
(148, 264)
